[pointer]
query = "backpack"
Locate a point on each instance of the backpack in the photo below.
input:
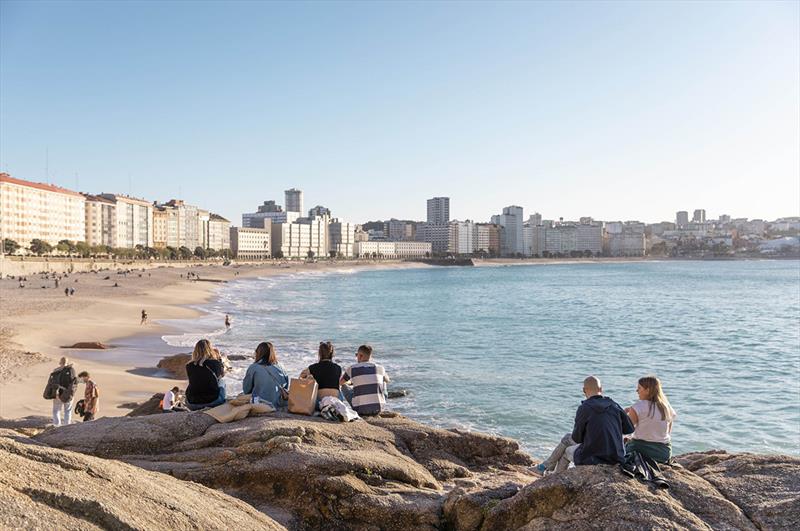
(53, 385)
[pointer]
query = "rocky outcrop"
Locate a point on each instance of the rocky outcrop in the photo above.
(88, 345)
(150, 407)
(393, 473)
(44, 488)
(175, 365)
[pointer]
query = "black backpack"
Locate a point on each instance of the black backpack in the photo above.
(53, 385)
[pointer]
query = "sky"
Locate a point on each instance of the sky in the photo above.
(619, 111)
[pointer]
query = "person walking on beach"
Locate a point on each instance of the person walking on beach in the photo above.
(652, 416)
(91, 397)
(144, 317)
(227, 322)
(66, 292)
(61, 387)
(71, 292)
(369, 383)
(597, 436)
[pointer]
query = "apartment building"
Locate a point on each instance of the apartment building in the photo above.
(31, 211)
(438, 210)
(626, 239)
(249, 243)
(443, 237)
(133, 221)
(513, 242)
(219, 233)
(342, 237)
(393, 250)
(101, 220)
(487, 238)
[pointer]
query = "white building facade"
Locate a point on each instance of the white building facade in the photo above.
(513, 237)
(250, 244)
(45, 212)
(392, 250)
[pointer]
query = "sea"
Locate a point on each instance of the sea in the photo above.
(504, 349)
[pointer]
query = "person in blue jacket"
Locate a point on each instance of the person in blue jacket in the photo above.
(265, 378)
(597, 437)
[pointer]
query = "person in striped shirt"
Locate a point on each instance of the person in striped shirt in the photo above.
(369, 383)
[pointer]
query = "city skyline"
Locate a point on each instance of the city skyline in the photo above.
(569, 110)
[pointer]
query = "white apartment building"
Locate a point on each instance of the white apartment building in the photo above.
(165, 227)
(295, 240)
(513, 237)
(626, 239)
(392, 250)
(101, 220)
(203, 217)
(439, 210)
(342, 237)
(219, 233)
(466, 237)
(443, 237)
(31, 211)
(133, 221)
(250, 243)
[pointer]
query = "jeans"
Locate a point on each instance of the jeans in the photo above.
(58, 406)
(218, 402)
(563, 455)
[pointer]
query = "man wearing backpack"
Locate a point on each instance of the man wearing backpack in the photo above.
(61, 387)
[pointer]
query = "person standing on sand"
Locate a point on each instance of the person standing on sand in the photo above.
(227, 321)
(597, 437)
(91, 397)
(66, 383)
(71, 292)
(144, 317)
(66, 292)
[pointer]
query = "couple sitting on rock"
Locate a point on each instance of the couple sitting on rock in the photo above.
(367, 394)
(601, 424)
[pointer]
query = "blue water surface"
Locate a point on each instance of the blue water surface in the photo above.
(505, 349)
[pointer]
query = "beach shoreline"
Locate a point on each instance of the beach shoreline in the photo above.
(35, 322)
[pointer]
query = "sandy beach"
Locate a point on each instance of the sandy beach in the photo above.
(36, 321)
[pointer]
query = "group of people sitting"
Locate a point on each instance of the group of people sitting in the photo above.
(604, 432)
(363, 384)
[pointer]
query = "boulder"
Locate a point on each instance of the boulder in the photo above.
(151, 407)
(399, 393)
(389, 472)
(239, 357)
(89, 345)
(46, 488)
(175, 365)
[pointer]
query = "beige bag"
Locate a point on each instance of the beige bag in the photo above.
(302, 396)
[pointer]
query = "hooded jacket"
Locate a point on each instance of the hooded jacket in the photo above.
(599, 426)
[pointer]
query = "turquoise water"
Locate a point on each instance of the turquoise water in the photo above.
(505, 349)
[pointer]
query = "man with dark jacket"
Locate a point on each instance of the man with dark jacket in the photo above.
(67, 385)
(596, 437)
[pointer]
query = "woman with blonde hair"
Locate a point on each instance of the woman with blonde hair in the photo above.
(265, 378)
(652, 415)
(205, 371)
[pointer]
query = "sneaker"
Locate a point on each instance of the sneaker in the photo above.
(541, 468)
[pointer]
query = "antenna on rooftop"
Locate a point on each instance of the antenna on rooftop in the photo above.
(47, 163)
(130, 193)
(77, 183)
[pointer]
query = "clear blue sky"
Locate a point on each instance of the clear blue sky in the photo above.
(611, 110)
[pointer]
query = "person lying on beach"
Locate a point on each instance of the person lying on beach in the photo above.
(91, 397)
(205, 372)
(652, 416)
(596, 437)
(326, 372)
(265, 378)
(369, 383)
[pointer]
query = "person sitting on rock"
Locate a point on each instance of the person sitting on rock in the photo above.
(369, 383)
(326, 372)
(652, 416)
(172, 401)
(596, 437)
(265, 379)
(205, 373)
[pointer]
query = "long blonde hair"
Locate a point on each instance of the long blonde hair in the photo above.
(656, 396)
(203, 351)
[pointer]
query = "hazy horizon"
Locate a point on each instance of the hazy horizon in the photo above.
(617, 111)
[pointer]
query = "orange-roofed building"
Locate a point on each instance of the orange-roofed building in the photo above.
(30, 210)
